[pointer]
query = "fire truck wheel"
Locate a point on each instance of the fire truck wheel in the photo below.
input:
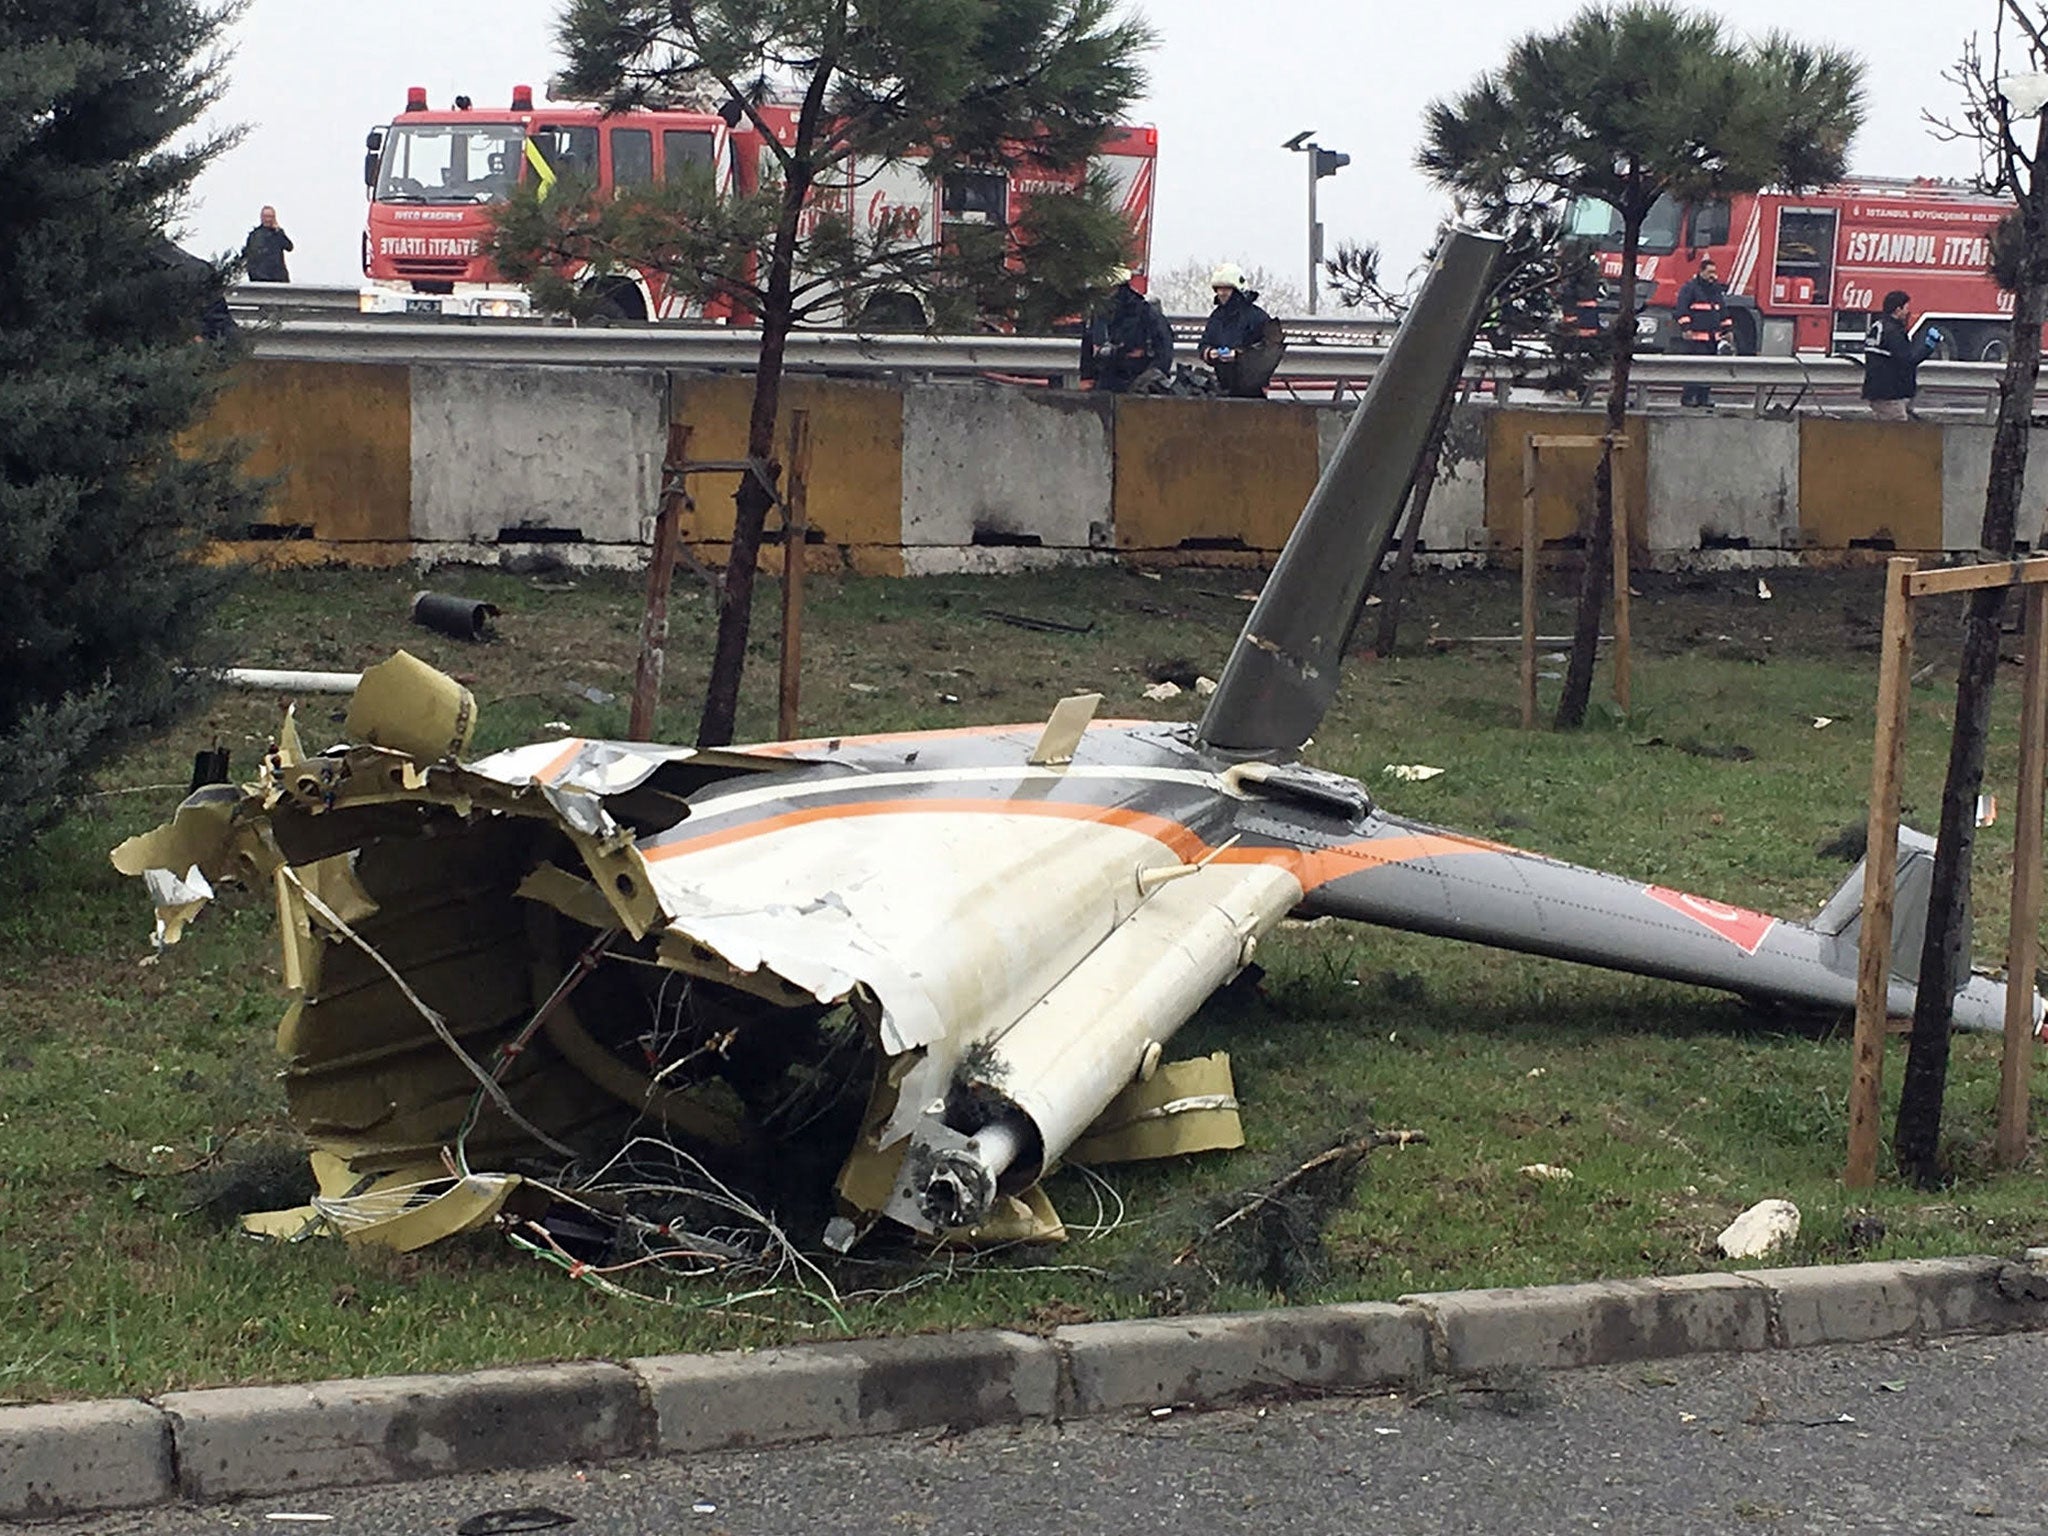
(1744, 325)
(892, 312)
(1991, 348)
(615, 299)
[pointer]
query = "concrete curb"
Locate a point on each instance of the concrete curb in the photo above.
(72, 1458)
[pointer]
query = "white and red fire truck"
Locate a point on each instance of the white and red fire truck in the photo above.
(1807, 272)
(433, 177)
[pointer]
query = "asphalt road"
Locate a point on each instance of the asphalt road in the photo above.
(1953, 1437)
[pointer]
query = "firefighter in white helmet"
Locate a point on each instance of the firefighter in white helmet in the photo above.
(1240, 341)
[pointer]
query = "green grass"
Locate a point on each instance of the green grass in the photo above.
(1673, 1108)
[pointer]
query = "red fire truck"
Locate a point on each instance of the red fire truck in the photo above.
(433, 176)
(1807, 272)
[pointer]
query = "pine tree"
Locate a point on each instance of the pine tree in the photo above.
(102, 365)
(965, 82)
(2013, 145)
(1628, 104)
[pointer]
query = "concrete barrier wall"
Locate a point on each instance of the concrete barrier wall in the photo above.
(855, 508)
(338, 442)
(1965, 472)
(378, 464)
(988, 485)
(506, 455)
(1722, 483)
(1870, 485)
(1216, 479)
(1564, 476)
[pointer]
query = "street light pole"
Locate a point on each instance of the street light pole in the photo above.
(1321, 162)
(1315, 232)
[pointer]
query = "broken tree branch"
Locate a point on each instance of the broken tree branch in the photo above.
(1357, 1148)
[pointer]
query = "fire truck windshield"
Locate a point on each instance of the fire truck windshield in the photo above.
(450, 163)
(1592, 219)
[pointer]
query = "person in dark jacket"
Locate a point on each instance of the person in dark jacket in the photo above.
(1892, 359)
(1700, 314)
(263, 251)
(1240, 341)
(1126, 338)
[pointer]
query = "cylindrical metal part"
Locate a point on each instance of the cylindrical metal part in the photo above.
(286, 681)
(463, 617)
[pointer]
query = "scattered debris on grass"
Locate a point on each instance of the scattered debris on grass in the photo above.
(1177, 670)
(1849, 844)
(1043, 626)
(462, 618)
(1271, 1235)
(1764, 1227)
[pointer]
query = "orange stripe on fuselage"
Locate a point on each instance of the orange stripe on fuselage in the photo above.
(1316, 867)
(1310, 867)
(560, 761)
(1160, 829)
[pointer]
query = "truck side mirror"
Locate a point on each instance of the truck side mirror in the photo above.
(373, 142)
(370, 171)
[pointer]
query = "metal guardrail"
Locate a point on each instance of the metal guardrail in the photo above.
(277, 301)
(1311, 366)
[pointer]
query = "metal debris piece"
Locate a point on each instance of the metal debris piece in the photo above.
(510, 1522)
(286, 681)
(465, 618)
(1046, 626)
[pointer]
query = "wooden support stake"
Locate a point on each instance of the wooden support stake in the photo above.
(2015, 1069)
(661, 570)
(795, 530)
(1529, 585)
(1880, 872)
(1615, 482)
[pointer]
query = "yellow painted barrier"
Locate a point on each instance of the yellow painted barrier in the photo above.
(1870, 484)
(855, 507)
(339, 437)
(1210, 481)
(1195, 478)
(1564, 477)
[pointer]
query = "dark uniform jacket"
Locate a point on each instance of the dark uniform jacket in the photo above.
(1124, 339)
(1249, 332)
(1891, 361)
(1237, 323)
(264, 251)
(1700, 312)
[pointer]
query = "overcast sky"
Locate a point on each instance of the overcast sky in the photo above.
(1229, 82)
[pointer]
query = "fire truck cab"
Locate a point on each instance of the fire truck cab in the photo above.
(433, 176)
(1807, 272)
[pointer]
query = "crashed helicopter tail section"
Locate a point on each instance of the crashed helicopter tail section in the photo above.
(1282, 674)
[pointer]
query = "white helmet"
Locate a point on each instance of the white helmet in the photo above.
(1229, 275)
